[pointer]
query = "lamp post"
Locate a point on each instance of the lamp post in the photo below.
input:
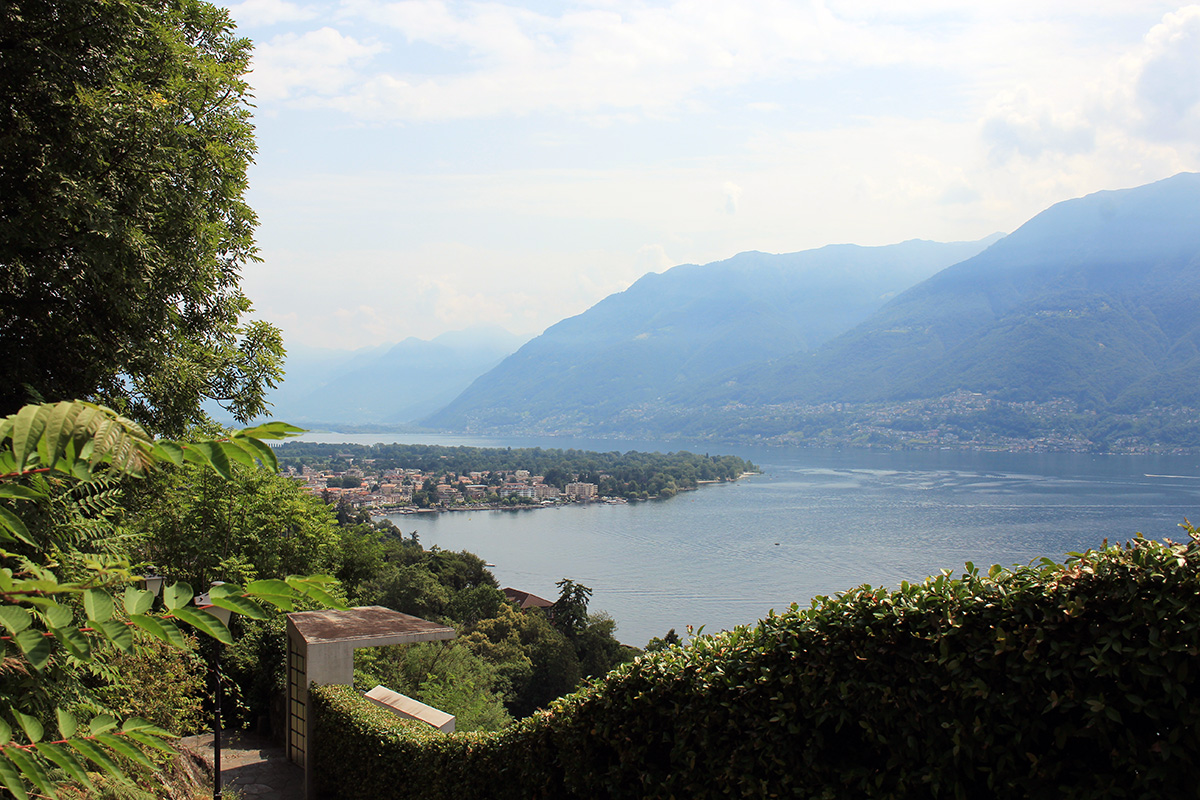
(204, 603)
(152, 583)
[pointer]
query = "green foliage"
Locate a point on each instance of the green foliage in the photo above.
(570, 610)
(1060, 681)
(160, 683)
(535, 663)
(59, 618)
(255, 667)
(662, 643)
(597, 648)
(523, 661)
(126, 134)
(256, 524)
(411, 589)
(445, 675)
(591, 635)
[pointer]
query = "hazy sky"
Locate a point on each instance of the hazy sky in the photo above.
(427, 166)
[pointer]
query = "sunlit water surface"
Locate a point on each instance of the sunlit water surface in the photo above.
(815, 523)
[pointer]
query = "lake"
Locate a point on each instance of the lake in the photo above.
(815, 523)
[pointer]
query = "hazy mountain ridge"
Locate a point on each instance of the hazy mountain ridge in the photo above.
(1077, 331)
(386, 385)
(679, 327)
(1093, 299)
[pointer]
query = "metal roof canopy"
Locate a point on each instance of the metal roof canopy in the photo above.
(321, 647)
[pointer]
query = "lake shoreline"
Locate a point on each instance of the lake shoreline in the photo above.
(604, 501)
(822, 522)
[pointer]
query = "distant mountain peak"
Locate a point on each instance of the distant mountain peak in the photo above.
(687, 323)
(1092, 300)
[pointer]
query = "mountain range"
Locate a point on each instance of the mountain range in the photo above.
(388, 384)
(676, 329)
(1092, 301)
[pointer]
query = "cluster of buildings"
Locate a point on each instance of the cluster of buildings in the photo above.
(413, 490)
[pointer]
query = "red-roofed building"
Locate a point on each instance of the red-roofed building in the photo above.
(525, 600)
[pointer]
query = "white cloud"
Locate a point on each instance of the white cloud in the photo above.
(508, 60)
(254, 13)
(593, 59)
(318, 62)
(1167, 86)
(1136, 119)
(732, 194)
(1020, 124)
(551, 157)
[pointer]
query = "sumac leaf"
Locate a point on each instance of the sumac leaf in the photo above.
(160, 629)
(67, 724)
(177, 595)
(98, 604)
(121, 744)
(138, 601)
(66, 761)
(94, 753)
(118, 633)
(10, 776)
(35, 646)
(205, 622)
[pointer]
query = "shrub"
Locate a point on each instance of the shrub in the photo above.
(1066, 681)
(159, 683)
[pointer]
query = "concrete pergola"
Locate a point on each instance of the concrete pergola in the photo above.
(321, 647)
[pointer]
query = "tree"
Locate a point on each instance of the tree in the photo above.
(58, 615)
(195, 526)
(662, 643)
(446, 675)
(570, 612)
(535, 661)
(125, 128)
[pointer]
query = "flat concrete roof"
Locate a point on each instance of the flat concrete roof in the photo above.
(405, 706)
(366, 626)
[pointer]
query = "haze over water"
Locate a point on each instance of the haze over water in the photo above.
(817, 522)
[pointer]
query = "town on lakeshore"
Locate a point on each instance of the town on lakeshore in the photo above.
(407, 491)
(391, 479)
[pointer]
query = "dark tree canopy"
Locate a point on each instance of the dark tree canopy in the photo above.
(125, 133)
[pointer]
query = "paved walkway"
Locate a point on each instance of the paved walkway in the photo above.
(253, 765)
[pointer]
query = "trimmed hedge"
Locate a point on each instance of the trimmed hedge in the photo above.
(1064, 681)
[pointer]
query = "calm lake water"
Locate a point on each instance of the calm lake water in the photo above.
(817, 522)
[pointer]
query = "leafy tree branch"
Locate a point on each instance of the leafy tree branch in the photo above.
(52, 620)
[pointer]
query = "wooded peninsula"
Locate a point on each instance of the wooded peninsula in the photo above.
(427, 476)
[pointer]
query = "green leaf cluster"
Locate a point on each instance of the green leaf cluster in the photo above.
(50, 620)
(1073, 680)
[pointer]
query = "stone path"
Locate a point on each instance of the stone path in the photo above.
(254, 766)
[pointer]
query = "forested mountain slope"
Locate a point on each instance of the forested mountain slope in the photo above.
(673, 329)
(1094, 299)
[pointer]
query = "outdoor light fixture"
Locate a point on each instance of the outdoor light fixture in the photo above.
(204, 603)
(152, 583)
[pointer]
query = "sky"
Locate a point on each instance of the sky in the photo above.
(427, 166)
